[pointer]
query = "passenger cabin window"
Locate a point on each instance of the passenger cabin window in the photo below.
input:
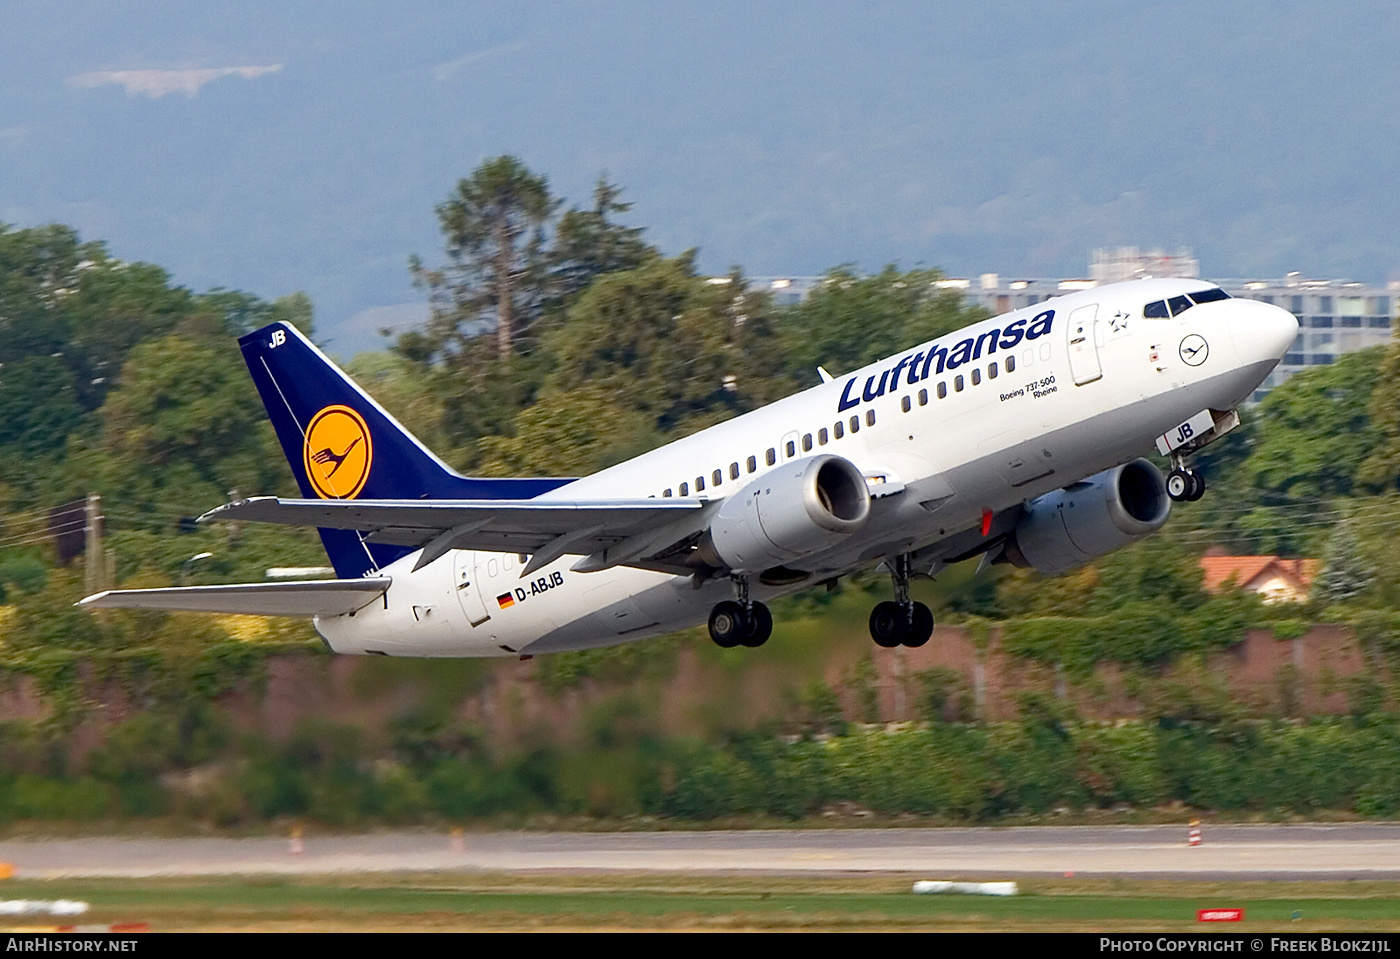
(806, 442)
(733, 470)
(958, 383)
(822, 436)
(992, 372)
(1011, 364)
(771, 456)
(976, 377)
(869, 417)
(699, 484)
(855, 424)
(666, 495)
(685, 489)
(752, 464)
(904, 404)
(717, 477)
(791, 448)
(839, 430)
(923, 397)
(942, 390)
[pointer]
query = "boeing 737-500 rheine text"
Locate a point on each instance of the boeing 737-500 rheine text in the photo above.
(1018, 439)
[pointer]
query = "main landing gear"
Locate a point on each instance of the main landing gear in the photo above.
(741, 623)
(1184, 485)
(901, 623)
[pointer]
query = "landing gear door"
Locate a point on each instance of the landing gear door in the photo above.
(1083, 348)
(469, 586)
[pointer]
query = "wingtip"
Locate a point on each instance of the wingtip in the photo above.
(217, 513)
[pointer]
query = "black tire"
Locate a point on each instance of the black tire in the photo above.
(728, 624)
(922, 629)
(760, 626)
(1198, 487)
(888, 625)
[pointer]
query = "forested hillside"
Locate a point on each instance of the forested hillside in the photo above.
(561, 342)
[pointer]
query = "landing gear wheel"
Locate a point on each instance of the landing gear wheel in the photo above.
(760, 622)
(728, 624)
(921, 630)
(1178, 485)
(1181, 484)
(1185, 485)
(888, 625)
(1200, 487)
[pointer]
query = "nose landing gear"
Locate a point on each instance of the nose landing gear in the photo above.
(1183, 484)
(741, 623)
(901, 623)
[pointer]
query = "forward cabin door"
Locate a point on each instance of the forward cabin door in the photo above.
(1083, 347)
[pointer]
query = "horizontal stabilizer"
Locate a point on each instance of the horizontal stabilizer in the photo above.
(321, 597)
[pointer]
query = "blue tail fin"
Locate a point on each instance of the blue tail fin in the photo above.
(341, 444)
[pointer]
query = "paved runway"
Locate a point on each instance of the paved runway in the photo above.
(1350, 851)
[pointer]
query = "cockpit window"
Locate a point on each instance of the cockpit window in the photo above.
(1156, 311)
(1179, 305)
(1211, 295)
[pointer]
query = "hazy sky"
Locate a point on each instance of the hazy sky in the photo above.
(281, 146)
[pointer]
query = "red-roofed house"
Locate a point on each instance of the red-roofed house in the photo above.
(1278, 580)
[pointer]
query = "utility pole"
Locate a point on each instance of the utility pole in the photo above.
(93, 560)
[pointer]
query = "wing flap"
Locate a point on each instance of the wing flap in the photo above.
(523, 526)
(321, 597)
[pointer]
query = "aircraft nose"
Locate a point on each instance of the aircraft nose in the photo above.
(1261, 331)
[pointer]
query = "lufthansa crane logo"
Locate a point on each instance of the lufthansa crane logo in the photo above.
(337, 453)
(1194, 350)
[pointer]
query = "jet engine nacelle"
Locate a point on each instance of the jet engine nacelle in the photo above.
(795, 510)
(1089, 519)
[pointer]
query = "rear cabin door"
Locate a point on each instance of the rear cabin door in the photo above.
(469, 586)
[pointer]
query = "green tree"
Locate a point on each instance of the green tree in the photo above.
(70, 302)
(1314, 432)
(184, 427)
(588, 244)
(569, 434)
(1381, 468)
(1345, 575)
(850, 320)
(38, 406)
(684, 350)
(239, 313)
(494, 225)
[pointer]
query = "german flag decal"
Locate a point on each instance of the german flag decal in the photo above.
(505, 600)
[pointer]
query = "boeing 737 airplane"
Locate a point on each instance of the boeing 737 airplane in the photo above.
(1017, 439)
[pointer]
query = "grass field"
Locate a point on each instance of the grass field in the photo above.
(477, 902)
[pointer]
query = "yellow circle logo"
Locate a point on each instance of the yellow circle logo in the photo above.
(337, 452)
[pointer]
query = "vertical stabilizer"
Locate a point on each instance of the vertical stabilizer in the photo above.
(341, 444)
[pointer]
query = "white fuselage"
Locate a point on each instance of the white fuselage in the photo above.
(1041, 404)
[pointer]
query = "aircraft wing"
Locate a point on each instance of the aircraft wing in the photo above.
(546, 529)
(320, 597)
